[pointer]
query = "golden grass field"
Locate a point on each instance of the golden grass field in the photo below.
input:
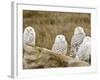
(49, 24)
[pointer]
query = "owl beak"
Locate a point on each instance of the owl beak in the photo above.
(79, 30)
(61, 39)
(28, 31)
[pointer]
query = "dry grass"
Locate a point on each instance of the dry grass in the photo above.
(49, 24)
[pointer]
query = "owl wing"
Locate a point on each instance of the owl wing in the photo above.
(77, 40)
(83, 52)
(26, 37)
(55, 47)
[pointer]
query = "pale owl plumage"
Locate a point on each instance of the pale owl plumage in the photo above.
(60, 45)
(76, 40)
(29, 36)
(84, 51)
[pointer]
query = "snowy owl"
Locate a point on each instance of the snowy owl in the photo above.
(76, 40)
(85, 49)
(60, 45)
(29, 36)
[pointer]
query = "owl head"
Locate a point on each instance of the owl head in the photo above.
(60, 38)
(29, 30)
(78, 30)
(87, 39)
(29, 34)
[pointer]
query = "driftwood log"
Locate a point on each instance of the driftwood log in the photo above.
(36, 57)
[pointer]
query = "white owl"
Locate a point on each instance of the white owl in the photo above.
(84, 51)
(29, 36)
(76, 40)
(60, 45)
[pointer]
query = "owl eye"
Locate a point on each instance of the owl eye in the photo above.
(58, 37)
(78, 29)
(27, 30)
(30, 29)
